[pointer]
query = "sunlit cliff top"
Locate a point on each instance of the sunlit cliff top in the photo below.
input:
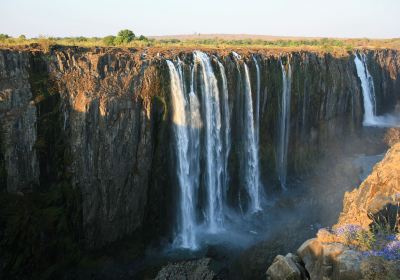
(274, 45)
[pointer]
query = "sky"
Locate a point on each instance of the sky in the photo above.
(311, 18)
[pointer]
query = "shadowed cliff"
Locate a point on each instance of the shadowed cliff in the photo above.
(90, 128)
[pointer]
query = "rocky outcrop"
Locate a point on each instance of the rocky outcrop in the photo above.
(286, 267)
(330, 260)
(327, 256)
(378, 191)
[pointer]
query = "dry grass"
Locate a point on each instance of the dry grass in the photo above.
(334, 46)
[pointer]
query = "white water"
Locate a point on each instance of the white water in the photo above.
(251, 172)
(368, 92)
(227, 127)
(257, 103)
(284, 125)
(214, 158)
(186, 237)
(202, 133)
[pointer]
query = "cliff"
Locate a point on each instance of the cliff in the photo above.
(94, 125)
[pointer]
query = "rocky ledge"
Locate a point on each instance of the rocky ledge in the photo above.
(365, 243)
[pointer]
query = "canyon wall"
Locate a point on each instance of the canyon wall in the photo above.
(98, 122)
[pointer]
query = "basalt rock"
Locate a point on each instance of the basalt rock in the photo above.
(99, 120)
(188, 270)
(380, 190)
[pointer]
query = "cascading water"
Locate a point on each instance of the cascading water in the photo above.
(368, 90)
(186, 237)
(213, 144)
(251, 172)
(284, 124)
(257, 103)
(202, 130)
(227, 126)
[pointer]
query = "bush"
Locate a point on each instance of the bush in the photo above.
(109, 40)
(4, 36)
(143, 38)
(124, 36)
(81, 39)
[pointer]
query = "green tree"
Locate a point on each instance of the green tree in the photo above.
(4, 36)
(143, 38)
(109, 40)
(22, 37)
(124, 36)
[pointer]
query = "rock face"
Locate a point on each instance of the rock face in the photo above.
(98, 120)
(110, 117)
(19, 168)
(380, 189)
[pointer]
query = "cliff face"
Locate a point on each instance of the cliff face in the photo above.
(380, 190)
(19, 166)
(112, 122)
(99, 121)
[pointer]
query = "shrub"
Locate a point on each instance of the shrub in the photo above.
(81, 39)
(125, 36)
(4, 36)
(109, 40)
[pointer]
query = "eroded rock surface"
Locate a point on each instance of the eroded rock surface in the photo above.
(380, 189)
(188, 270)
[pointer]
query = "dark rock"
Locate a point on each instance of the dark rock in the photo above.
(188, 270)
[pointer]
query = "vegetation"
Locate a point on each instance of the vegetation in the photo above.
(126, 38)
(381, 239)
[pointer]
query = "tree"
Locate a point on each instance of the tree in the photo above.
(109, 40)
(22, 37)
(143, 38)
(4, 36)
(124, 36)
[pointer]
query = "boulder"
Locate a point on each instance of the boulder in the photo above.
(284, 268)
(330, 261)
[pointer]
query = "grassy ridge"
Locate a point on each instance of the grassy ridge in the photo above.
(325, 44)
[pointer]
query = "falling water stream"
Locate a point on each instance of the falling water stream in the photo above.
(284, 125)
(368, 90)
(186, 237)
(201, 118)
(251, 173)
(369, 99)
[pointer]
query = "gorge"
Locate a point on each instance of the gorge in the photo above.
(179, 146)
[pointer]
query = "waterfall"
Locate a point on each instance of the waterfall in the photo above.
(368, 90)
(257, 103)
(213, 144)
(251, 172)
(187, 216)
(227, 127)
(202, 142)
(284, 125)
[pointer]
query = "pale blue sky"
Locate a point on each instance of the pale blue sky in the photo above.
(325, 18)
